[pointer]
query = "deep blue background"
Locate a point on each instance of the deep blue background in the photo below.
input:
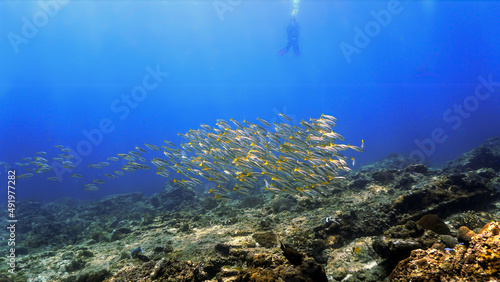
(395, 91)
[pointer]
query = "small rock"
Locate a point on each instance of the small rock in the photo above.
(222, 249)
(265, 239)
(417, 168)
(120, 233)
(464, 234)
(75, 264)
(434, 223)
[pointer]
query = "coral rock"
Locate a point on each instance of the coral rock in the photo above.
(477, 262)
(464, 234)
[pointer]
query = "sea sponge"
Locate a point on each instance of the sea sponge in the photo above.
(464, 234)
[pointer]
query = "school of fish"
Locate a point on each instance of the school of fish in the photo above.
(303, 159)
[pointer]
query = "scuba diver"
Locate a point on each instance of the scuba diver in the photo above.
(292, 32)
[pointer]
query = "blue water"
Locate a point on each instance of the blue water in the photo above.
(70, 74)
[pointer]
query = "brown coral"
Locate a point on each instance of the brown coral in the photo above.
(480, 261)
(464, 234)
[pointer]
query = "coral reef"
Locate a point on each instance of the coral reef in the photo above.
(392, 161)
(480, 261)
(484, 156)
(389, 217)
